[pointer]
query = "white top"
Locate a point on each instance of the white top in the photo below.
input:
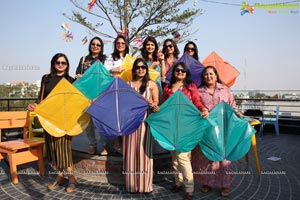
(110, 63)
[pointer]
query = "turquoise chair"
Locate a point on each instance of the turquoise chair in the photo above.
(273, 121)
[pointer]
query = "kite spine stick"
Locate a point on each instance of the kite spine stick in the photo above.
(117, 107)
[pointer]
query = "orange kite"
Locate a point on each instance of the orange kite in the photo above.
(226, 71)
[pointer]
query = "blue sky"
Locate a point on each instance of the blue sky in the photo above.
(264, 47)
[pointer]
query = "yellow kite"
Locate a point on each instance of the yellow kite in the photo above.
(127, 64)
(63, 111)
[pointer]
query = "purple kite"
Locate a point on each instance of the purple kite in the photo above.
(119, 110)
(194, 66)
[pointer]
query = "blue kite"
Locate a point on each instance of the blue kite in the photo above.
(194, 66)
(119, 110)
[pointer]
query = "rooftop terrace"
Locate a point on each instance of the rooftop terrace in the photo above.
(279, 179)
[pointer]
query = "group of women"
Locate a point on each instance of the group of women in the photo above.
(137, 147)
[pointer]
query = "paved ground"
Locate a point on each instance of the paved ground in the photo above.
(279, 179)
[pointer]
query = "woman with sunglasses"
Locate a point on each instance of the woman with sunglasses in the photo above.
(137, 147)
(171, 53)
(191, 49)
(181, 80)
(96, 48)
(59, 149)
(113, 63)
(154, 59)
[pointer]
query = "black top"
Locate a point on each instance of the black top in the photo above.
(48, 83)
(88, 61)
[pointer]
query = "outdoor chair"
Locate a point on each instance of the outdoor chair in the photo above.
(254, 148)
(273, 121)
(256, 114)
(22, 151)
(36, 131)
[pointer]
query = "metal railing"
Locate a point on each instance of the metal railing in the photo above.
(15, 104)
(289, 115)
(288, 107)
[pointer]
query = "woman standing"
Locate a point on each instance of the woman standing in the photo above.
(113, 63)
(137, 147)
(59, 149)
(171, 53)
(181, 80)
(191, 49)
(96, 48)
(154, 59)
(211, 92)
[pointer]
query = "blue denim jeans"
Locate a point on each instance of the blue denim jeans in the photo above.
(94, 136)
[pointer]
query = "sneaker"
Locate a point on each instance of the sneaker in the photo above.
(92, 150)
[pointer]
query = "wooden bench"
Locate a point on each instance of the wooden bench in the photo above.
(20, 151)
(36, 132)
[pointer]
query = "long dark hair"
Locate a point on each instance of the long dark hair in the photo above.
(145, 79)
(116, 53)
(203, 83)
(53, 70)
(176, 50)
(187, 79)
(145, 53)
(100, 56)
(196, 49)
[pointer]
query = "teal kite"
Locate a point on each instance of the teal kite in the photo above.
(94, 81)
(230, 136)
(178, 125)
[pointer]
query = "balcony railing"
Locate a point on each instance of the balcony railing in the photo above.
(289, 114)
(15, 104)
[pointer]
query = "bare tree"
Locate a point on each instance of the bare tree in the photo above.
(136, 18)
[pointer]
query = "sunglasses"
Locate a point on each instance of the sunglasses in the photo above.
(169, 46)
(98, 45)
(180, 70)
(141, 67)
(190, 49)
(120, 43)
(61, 63)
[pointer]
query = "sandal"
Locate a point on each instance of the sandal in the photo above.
(205, 188)
(72, 184)
(215, 166)
(104, 152)
(71, 187)
(58, 181)
(224, 192)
